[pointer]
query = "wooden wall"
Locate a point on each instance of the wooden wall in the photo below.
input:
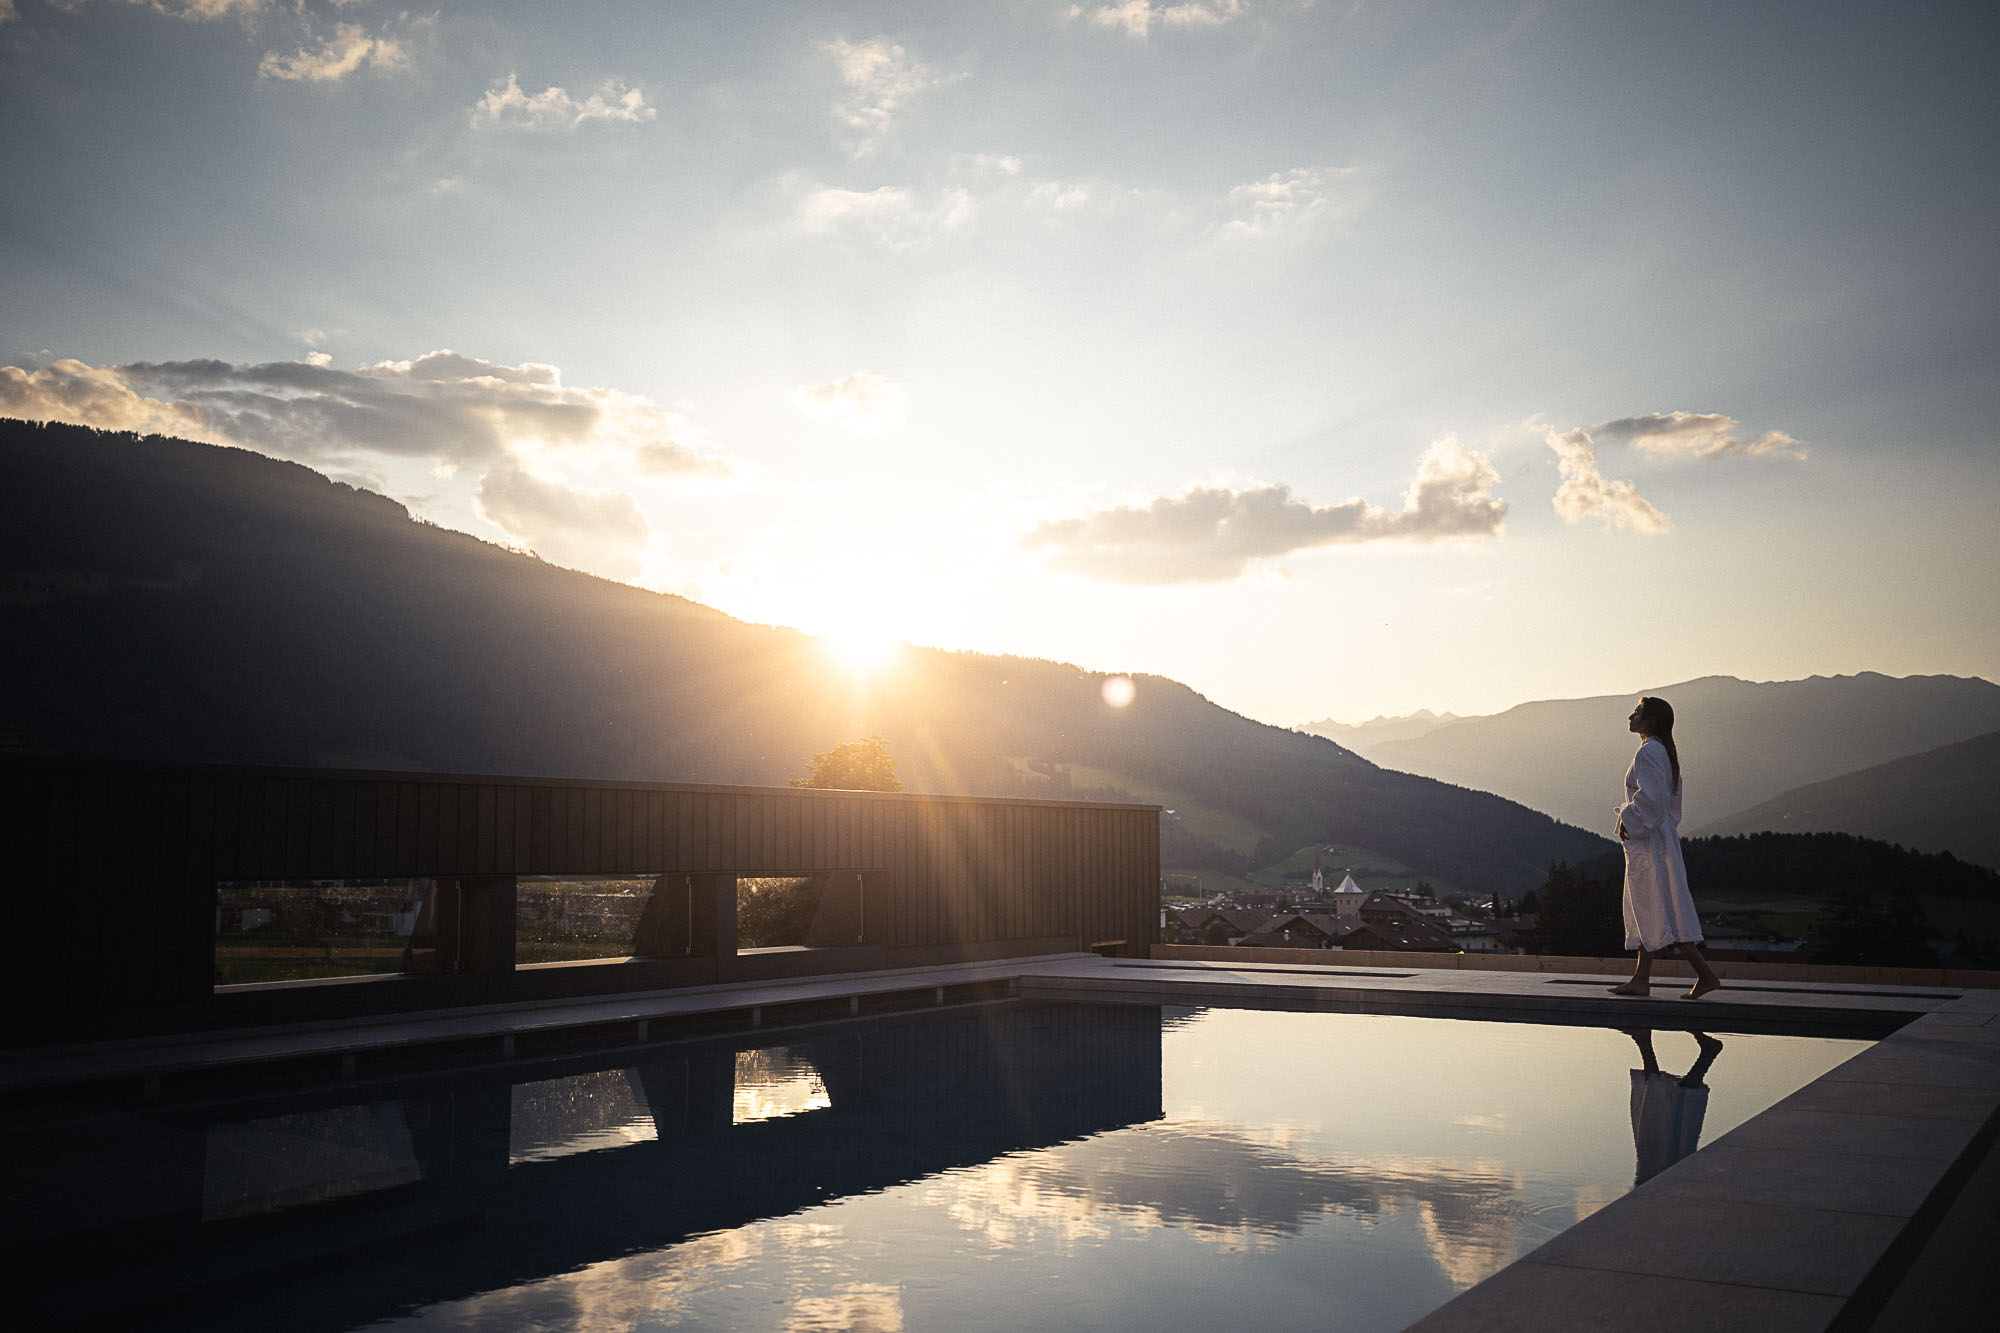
(111, 870)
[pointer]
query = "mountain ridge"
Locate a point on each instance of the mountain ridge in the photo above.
(1741, 742)
(193, 603)
(1937, 800)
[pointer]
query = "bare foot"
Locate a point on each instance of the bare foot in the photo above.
(1630, 988)
(1702, 987)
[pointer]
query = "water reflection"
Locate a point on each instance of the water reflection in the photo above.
(775, 1082)
(285, 1161)
(1667, 1109)
(556, 1117)
(1015, 1165)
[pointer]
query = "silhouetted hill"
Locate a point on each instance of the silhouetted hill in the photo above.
(1938, 801)
(168, 600)
(1740, 743)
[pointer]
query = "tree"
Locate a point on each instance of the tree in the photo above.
(1855, 929)
(862, 765)
(1581, 914)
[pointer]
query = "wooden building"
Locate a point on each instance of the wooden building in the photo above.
(112, 873)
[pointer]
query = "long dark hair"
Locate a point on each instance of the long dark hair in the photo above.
(1657, 717)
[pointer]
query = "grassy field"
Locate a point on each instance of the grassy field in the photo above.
(1793, 915)
(1218, 826)
(1371, 870)
(1201, 885)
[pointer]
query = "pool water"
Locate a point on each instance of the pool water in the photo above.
(1005, 1166)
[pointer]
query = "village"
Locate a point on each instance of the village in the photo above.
(1305, 914)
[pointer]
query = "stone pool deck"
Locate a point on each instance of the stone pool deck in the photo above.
(1868, 1199)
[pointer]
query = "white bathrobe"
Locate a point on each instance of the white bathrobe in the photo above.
(1659, 911)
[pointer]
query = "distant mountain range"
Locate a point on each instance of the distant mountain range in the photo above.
(1938, 801)
(1361, 736)
(167, 600)
(1742, 744)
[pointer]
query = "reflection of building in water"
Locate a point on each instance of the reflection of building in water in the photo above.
(776, 1081)
(556, 1117)
(306, 1157)
(508, 1184)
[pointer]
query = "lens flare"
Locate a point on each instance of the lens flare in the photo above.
(1118, 690)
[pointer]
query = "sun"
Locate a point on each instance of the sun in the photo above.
(860, 647)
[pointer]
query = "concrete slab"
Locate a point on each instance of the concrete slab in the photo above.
(1778, 1246)
(1529, 1297)
(1922, 1067)
(1783, 1128)
(1735, 1171)
(1910, 1100)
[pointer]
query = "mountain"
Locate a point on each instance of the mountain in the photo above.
(1741, 743)
(176, 601)
(1361, 736)
(1939, 801)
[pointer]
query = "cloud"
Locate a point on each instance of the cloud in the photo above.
(1700, 434)
(349, 49)
(101, 396)
(206, 9)
(602, 531)
(889, 216)
(879, 76)
(1135, 18)
(863, 401)
(506, 105)
(442, 406)
(1292, 200)
(1211, 534)
(1585, 493)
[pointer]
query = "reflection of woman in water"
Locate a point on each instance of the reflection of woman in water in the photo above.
(1659, 911)
(1666, 1110)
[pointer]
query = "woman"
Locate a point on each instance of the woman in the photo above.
(1659, 911)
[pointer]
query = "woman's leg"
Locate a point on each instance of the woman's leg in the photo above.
(1705, 979)
(1642, 976)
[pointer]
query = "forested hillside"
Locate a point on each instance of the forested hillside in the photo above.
(1940, 800)
(171, 600)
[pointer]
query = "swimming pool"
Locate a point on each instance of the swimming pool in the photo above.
(1005, 1165)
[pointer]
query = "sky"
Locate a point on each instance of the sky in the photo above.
(1336, 359)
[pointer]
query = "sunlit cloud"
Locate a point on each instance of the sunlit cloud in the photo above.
(506, 105)
(350, 48)
(1700, 434)
(1587, 493)
(1211, 534)
(1137, 18)
(601, 531)
(101, 396)
(878, 77)
(1292, 200)
(863, 401)
(441, 406)
(890, 216)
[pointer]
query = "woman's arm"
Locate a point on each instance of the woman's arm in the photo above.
(1648, 810)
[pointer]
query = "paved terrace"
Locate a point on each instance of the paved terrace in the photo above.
(1868, 1199)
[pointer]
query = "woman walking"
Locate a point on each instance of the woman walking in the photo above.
(1659, 911)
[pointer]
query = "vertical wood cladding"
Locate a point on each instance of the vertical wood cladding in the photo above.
(132, 854)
